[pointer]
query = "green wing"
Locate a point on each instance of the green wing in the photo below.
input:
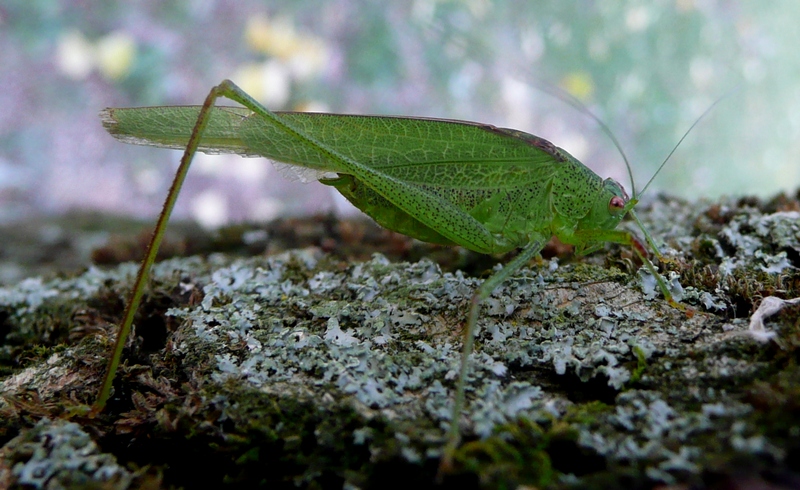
(170, 127)
(500, 177)
(442, 152)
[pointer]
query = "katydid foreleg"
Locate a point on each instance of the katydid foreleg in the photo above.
(622, 237)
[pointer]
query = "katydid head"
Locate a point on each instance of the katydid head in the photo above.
(609, 207)
(619, 207)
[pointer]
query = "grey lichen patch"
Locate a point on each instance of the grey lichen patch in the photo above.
(387, 335)
(59, 455)
(729, 254)
(364, 333)
(667, 443)
(35, 309)
(384, 338)
(761, 241)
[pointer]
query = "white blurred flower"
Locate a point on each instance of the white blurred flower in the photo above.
(266, 209)
(638, 18)
(112, 55)
(210, 209)
(74, 55)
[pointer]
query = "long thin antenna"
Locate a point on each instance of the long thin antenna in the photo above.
(570, 99)
(573, 101)
(551, 89)
(681, 141)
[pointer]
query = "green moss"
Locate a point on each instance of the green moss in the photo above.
(515, 455)
(641, 364)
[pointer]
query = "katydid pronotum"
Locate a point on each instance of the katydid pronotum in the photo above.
(488, 189)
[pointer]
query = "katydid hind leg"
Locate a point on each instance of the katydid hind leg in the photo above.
(225, 89)
(484, 291)
(143, 273)
(435, 212)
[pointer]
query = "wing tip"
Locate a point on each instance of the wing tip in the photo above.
(109, 120)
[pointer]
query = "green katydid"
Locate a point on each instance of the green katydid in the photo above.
(488, 189)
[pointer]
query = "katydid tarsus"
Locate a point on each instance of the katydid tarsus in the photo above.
(488, 189)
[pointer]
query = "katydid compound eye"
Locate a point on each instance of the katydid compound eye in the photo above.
(616, 204)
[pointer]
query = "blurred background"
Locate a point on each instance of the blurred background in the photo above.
(648, 69)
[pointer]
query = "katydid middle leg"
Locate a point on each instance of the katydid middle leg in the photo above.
(484, 291)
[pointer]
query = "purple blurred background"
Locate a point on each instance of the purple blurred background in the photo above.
(648, 70)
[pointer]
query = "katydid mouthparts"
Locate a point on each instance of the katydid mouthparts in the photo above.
(488, 189)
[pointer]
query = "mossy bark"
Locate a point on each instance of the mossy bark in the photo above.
(319, 367)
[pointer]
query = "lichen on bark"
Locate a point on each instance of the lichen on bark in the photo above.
(310, 367)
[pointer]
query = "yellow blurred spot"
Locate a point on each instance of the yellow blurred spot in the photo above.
(309, 58)
(579, 85)
(248, 78)
(303, 54)
(685, 5)
(311, 106)
(275, 38)
(74, 55)
(268, 82)
(116, 53)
